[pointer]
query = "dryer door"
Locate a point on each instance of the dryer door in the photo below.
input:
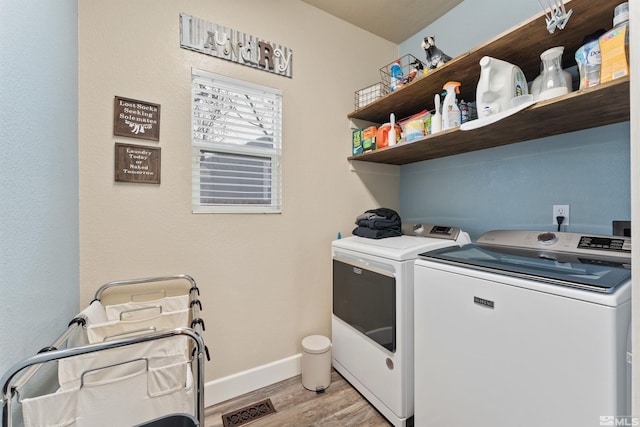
(365, 298)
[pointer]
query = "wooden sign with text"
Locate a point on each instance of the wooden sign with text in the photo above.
(137, 163)
(136, 119)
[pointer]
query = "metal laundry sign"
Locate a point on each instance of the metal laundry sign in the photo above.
(225, 43)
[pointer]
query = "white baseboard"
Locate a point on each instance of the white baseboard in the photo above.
(226, 388)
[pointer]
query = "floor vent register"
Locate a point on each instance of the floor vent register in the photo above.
(248, 414)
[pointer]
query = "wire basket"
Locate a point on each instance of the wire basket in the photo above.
(407, 63)
(369, 94)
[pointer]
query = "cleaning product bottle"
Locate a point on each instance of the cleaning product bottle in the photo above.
(396, 76)
(392, 131)
(464, 111)
(614, 46)
(436, 120)
(450, 109)
(588, 59)
(499, 83)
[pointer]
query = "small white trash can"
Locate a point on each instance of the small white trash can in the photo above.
(316, 362)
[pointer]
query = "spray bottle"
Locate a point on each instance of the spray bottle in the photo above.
(450, 109)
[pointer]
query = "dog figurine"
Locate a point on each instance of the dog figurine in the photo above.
(435, 57)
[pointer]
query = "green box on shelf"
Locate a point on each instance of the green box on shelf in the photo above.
(363, 140)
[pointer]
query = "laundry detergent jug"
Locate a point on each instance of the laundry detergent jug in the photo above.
(499, 82)
(382, 137)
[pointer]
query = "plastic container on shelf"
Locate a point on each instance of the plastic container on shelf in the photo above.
(589, 60)
(614, 46)
(415, 127)
(553, 81)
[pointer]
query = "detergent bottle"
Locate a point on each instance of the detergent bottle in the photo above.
(499, 83)
(450, 110)
(614, 46)
(396, 76)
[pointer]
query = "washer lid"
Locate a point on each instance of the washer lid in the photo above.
(591, 273)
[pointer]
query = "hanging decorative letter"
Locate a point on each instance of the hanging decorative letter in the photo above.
(225, 43)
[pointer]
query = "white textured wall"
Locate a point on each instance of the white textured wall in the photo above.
(265, 279)
(634, 11)
(38, 174)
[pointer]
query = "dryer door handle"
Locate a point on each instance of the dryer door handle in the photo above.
(364, 266)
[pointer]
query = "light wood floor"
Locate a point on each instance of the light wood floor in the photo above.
(339, 406)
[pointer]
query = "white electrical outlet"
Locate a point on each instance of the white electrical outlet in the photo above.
(561, 210)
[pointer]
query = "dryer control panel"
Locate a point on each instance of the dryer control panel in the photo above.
(431, 230)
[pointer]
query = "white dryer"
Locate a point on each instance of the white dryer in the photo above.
(523, 328)
(372, 319)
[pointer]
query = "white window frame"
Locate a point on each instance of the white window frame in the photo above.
(214, 142)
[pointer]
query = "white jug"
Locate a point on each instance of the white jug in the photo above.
(500, 81)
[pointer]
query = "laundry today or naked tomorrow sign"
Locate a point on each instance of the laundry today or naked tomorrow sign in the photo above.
(222, 42)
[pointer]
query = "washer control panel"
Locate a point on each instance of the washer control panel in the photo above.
(574, 243)
(605, 243)
(547, 239)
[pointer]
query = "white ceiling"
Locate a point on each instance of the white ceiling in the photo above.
(394, 20)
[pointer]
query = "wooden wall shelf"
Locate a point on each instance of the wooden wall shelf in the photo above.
(598, 106)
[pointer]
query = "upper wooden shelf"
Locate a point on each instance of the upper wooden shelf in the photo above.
(521, 45)
(596, 106)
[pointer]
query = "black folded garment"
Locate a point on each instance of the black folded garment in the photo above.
(379, 219)
(384, 212)
(371, 233)
(379, 223)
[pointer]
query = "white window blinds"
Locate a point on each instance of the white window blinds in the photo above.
(237, 144)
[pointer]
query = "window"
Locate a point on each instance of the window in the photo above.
(237, 143)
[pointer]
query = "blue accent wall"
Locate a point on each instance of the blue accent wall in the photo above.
(39, 244)
(472, 23)
(515, 186)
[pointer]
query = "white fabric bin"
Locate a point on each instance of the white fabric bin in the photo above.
(316, 362)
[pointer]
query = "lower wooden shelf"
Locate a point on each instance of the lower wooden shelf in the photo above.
(601, 105)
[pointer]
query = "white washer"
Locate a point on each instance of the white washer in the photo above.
(372, 316)
(523, 328)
